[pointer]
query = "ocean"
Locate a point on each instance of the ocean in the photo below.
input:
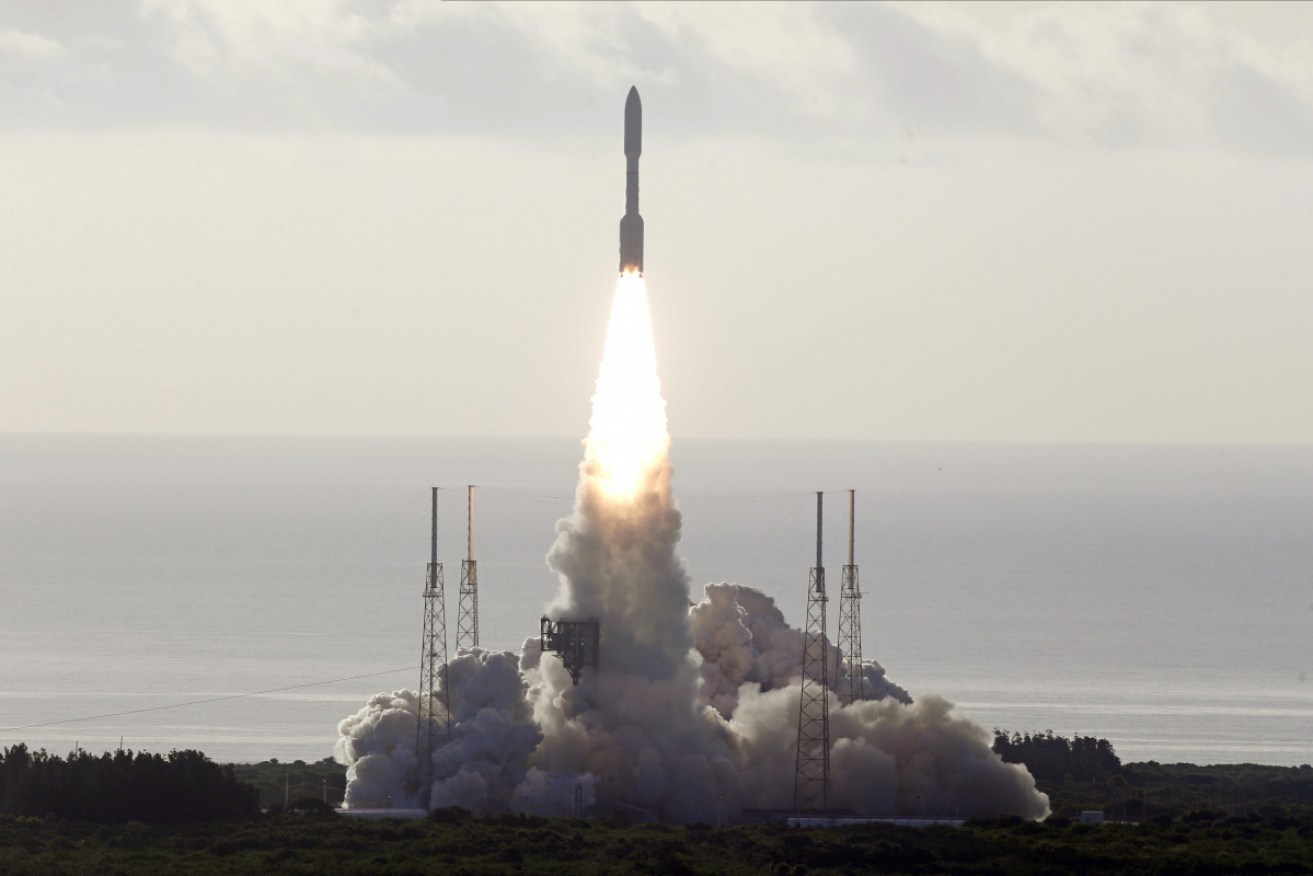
(242, 595)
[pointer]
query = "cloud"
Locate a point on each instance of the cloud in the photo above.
(15, 44)
(1122, 75)
(1137, 74)
(923, 77)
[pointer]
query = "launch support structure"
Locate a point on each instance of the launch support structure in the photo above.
(434, 715)
(577, 643)
(811, 782)
(850, 618)
(467, 612)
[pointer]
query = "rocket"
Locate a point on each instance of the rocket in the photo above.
(631, 224)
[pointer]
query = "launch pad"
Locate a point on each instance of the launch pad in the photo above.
(577, 643)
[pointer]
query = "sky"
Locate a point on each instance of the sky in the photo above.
(980, 222)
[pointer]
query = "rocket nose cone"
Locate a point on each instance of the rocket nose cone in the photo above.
(633, 123)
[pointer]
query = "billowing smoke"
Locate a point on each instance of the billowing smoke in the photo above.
(484, 764)
(692, 714)
(742, 637)
(378, 745)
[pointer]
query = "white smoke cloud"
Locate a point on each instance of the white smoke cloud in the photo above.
(743, 637)
(639, 723)
(526, 739)
(690, 713)
(886, 757)
(695, 715)
(378, 746)
(492, 733)
(482, 766)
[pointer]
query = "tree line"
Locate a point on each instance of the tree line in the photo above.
(180, 787)
(1053, 758)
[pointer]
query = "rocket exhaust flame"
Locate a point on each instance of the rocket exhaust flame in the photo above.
(627, 435)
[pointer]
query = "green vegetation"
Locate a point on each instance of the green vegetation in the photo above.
(1054, 758)
(1085, 773)
(280, 783)
(179, 787)
(181, 813)
(1235, 789)
(454, 843)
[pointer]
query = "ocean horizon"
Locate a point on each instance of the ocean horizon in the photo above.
(1157, 595)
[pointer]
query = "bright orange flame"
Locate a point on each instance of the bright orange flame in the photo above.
(627, 435)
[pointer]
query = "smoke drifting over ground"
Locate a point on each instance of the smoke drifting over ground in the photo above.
(693, 713)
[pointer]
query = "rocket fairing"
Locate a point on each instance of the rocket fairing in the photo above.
(631, 225)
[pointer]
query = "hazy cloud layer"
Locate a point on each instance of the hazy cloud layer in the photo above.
(998, 221)
(1124, 74)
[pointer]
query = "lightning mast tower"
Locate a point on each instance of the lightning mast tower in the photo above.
(811, 781)
(434, 717)
(467, 619)
(850, 618)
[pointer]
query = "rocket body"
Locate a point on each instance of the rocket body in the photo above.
(631, 225)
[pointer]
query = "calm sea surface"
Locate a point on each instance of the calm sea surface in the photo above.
(1161, 596)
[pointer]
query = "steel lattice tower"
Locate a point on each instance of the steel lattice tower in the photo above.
(811, 781)
(850, 618)
(434, 716)
(467, 618)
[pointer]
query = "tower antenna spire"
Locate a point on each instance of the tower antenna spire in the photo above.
(434, 714)
(467, 620)
(811, 782)
(852, 688)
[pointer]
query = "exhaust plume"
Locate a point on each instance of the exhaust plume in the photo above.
(692, 713)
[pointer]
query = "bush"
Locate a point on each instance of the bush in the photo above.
(450, 815)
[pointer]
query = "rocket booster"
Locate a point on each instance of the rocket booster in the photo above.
(631, 224)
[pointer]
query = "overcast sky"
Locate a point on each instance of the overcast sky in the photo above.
(961, 222)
